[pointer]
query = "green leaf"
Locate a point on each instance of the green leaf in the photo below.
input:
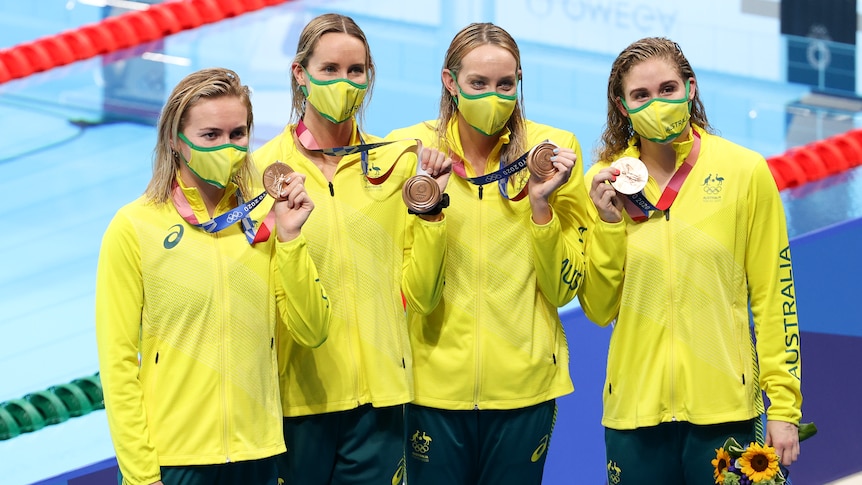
(733, 448)
(806, 430)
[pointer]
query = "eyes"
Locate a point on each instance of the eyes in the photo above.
(352, 70)
(505, 85)
(479, 84)
(669, 90)
(236, 136)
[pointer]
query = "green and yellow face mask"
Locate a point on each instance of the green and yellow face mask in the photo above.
(214, 165)
(487, 113)
(336, 100)
(661, 120)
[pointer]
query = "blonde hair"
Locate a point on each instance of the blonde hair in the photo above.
(469, 38)
(199, 86)
(313, 31)
(618, 129)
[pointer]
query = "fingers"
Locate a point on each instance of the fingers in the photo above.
(600, 189)
(788, 452)
(790, 455)
(434, 162)
(442, 180)
(608, 174)
(300, 200)
(564, 159)
(606, 199)
(293, 192)
(784, 437)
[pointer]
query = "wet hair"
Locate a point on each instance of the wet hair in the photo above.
(469, 38)
(315, 29)
(197, 87)
(618, 129)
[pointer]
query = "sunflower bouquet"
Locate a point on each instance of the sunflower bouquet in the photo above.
(755, 464)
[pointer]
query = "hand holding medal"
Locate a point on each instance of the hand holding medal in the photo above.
(626, 176)
(423, 193)
(549, 166)
(292, 204)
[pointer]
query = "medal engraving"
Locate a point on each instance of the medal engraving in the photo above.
(275, 180)
(633, 175)
(421, 193)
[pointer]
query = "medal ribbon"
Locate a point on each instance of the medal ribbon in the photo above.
(241, 214)
(308, 141)
(639, 207)
(500, 176)
(306, 138)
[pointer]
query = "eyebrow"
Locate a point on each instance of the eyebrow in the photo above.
(214, 128)
(480, 77)
(338, 64)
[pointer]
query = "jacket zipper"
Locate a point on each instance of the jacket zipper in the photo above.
(669, 239)
(480, 276)
(224, 349)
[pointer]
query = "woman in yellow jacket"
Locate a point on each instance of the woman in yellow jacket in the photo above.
(343, 401)
(189, 304)
(677, 266)
(491, 357)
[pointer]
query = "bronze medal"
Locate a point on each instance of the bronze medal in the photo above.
(275, 179)
(421, 193)
(539, 160)
(633, 175)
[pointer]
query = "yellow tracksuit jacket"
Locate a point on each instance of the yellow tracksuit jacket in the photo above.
(202, 313)
(495, 340)
(368, 250)
(678, 288)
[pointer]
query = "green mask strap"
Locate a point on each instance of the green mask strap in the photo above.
(210, 149)
(318, 82)
(684, 99)
(512, 97)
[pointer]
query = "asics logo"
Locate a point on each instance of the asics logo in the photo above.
(174, 236)
(398, 477)
(540, 450)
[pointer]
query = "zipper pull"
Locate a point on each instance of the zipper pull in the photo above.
(331, 190)
(480, 192)
(667, 214)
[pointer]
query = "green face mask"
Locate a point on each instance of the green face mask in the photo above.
(487, 113)
(215, 165)
(336, 100)
(661, 120)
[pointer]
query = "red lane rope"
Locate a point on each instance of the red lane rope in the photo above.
(817, 160)
(117, 33)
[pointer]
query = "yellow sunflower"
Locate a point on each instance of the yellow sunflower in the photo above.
(721, 462)
(759, 462)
